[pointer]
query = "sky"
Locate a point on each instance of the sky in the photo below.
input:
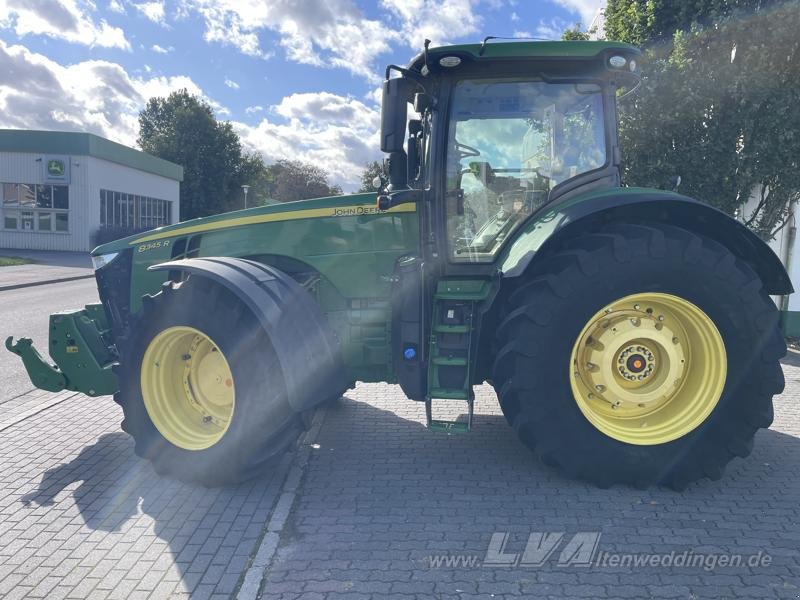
(298, 79)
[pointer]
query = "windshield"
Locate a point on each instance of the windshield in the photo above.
(509, 144)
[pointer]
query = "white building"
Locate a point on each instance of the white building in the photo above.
(58, 188)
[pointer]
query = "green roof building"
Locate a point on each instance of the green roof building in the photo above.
(59, 189)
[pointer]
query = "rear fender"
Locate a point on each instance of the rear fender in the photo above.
(583, 212)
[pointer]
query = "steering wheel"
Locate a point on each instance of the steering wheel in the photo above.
(467, 151)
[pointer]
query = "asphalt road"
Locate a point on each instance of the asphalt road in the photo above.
(25, 313)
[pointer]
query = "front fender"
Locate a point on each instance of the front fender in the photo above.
(578, 213)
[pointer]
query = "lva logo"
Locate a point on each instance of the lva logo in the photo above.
(577, 551)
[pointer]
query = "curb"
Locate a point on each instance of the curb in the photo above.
(290, 476)
(61, 397)
(17, 286)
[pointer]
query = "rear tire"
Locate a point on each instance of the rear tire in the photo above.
(534, 370)
(262, 424)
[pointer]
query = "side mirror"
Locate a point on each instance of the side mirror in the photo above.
(394, 112)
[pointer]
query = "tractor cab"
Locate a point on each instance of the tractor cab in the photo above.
(501, 130)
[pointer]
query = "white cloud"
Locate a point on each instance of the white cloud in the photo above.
(116, 6)
(61, 19)
(316, 32)
(232, 84)
(95, 96)
(586, 9)
(251, 110)
(340, 134)
(552, 29)
(436, 20)
(153, 11)
(161, 50)
(523, 34)
(336, 33)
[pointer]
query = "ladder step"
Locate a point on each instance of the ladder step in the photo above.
(448, 426)
(451, 329)
(449, 394)
(449, 361)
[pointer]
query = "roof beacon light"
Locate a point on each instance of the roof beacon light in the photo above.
(449, 61)
(617, 61)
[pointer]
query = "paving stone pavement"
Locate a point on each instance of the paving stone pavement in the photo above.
(382, 497)
(82, 517)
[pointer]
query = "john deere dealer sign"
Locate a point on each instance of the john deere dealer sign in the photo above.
(56, 169)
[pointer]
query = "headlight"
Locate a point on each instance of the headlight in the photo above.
(100, 261)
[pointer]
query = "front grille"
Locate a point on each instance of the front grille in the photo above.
(114, 286)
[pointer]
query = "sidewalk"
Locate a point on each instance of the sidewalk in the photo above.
(49, 267)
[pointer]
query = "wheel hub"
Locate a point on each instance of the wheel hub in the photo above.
(632, 370)
(187, 388)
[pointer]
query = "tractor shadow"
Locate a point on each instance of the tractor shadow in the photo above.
(208, 535)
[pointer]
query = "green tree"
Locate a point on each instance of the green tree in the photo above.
(719, 104)
(253, 172)
(575, 34)
(295, 180)
(643, 22)
(182, 128)
(371, 171)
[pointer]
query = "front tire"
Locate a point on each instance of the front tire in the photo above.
(201, 386)
(684, 312)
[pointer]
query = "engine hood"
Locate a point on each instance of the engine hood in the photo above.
(332, 206)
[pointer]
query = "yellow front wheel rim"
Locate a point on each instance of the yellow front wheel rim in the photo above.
(648, 368)
(187, 388)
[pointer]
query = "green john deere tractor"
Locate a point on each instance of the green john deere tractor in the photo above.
(628, 332)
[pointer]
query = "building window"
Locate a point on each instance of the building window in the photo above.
(118, 209)
(35, 207)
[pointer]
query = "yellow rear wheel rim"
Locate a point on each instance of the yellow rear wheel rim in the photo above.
(648, 368)
(187, 388)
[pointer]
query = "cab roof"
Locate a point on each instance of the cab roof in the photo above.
(521, 50)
